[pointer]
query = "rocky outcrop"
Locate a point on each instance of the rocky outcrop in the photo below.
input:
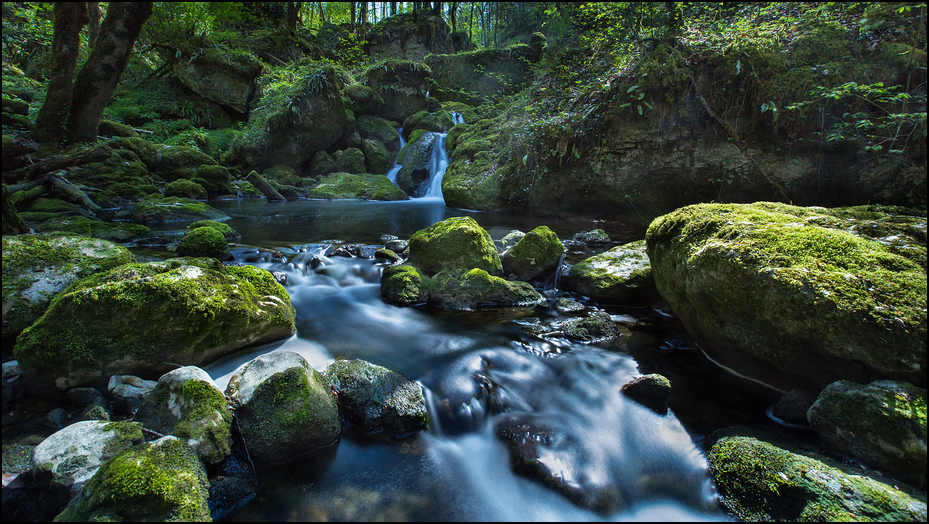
(823, 294)
(224, 76)
(485, 74)
(137, 317)
(409, 36)
(762, 479)
(402, 85)
(883, 424)
(285, 408)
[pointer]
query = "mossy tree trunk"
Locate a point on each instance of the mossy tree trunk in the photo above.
(51, 123)
(97, 80)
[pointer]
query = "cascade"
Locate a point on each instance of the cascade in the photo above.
(392, 172)
(437, 165)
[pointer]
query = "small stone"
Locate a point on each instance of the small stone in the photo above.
(652, 391)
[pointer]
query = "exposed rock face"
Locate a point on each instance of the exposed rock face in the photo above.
(135, 317)
(409, 36)
(415, 157)
(285, 408)
(224, 77)
(402, 86)
(38, 267)
(161, 480)
(883, 424)
(487, 73)
(823, 294)
(622, 275)
(762, 479)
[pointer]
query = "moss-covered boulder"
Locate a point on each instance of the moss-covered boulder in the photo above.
(761, 479)
(92, 227)
(223, 75)
(376, 156)
(217, 180)
(488, 73)
(535, 255)
(284, 407)
(416, 158)
(438, 122)
(70, 456)
(377, 399)
(652, 391)
(363, 100)
(883, 424)
(402, 85)
(351, 160)
(229, 234)
(13, 224)
(476, 288)
(296, 118)
(478, 160)
(173, 209)
(824, 294)
(363, 186)
(204, 242)
(38, 267)
(185, 188)
(409, 36)
(622, 275)
(155, 481)
(137, 318)
(187, 404)
(174, 162)
(380, 129)
(455, 244)
(404, 285)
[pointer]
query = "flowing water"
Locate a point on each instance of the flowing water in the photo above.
(478, 370)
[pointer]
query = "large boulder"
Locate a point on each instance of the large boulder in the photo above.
(38, 267)
(477, 288)
(204, 241)
(187, 404)
(883, 424)
(457, 244)
(155, 481)
(409, 36)
(820, 294)
(486, 73)
(295, 120)
(377, 399)
(535, 256)
(759, 478)
(224, 76)
(416, 159)
(402, 86)
(71, 456)
(284, 406)
(154, 210)
(621, 275)
(137, 318)
(363, 186)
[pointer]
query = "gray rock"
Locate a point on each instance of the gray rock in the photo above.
(651, 390)
(69, 457)
(128, 391)
(621, 275)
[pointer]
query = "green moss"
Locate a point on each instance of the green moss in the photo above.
(185, 189)
(364, 186)
(404, 286)
(204, 242)
(169, 209)
(537, 253)
(228, 233)
(160, 481)
(477, 288)
(457, 243)
(117, 232)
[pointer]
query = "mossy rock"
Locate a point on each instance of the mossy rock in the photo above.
(380, 129)
(476, 288)
(535, 255)
(824, 294)
(621, 275)
(38, 267)
(377, 158)
(110, 128)
(285, 408)
(402, 85)
(185, 188)
(179, 162)
(145, 150)
(404, 285)
(377, 399)
(883, 424)
(173, 209)
(231, 235)
(13, 224)
(456, 244)
(135, 318)
(478, 165)
(439, 122)
(489, 73)
(204, 242)
(416, 159)
(364, 186)
(187, 404)
(351, 160)
(217, 180)
(363, 100)
(155, 481)
(759, 478)
(114, 231)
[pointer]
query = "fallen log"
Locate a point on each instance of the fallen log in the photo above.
(256, 180)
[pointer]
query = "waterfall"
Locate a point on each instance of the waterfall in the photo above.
(392, 172)
(437, 165)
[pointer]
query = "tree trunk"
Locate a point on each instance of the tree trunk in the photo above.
(52, 120)
(262, 185)
(93, 9)
(293, 16)
(437, 8)
(452, 9)
(97, 80)
(393, 8)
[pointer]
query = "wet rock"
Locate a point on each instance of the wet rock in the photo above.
(595, 328)
(457, 243)
(284, 407)
(568, 306)
(759, 478)
(792, 407)
(597, 237)
(155, 210)
(186, 311)
(364, 186)
(161, 481)
(510, 239)
(536, 255)
(622, 275)
(883, 424)
(652, 391)
(376, 399)
(69, 457)
(56, 418)
(229, 234)
(477, 288)
(397, 246)
(187, 404)
(128, 391)
(38, 267)
(386, 254)
(416, 159)
(204, 242)
(228, 494)
(404, 285)
(803, 289)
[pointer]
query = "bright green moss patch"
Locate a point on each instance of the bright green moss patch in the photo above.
(364, 186)
(173, 209)
(536, 254)
(457, 243)
(404, 286)
(204, 242)
(117, 232)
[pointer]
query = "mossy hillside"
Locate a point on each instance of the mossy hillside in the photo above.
(363, 186)
(760, 479)
(162, 480)
(204, 242)
(764, 277)
(91, 227)
(536, 254)
(133, 318)
(154, 210)
(457, 244)
(37, 267)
